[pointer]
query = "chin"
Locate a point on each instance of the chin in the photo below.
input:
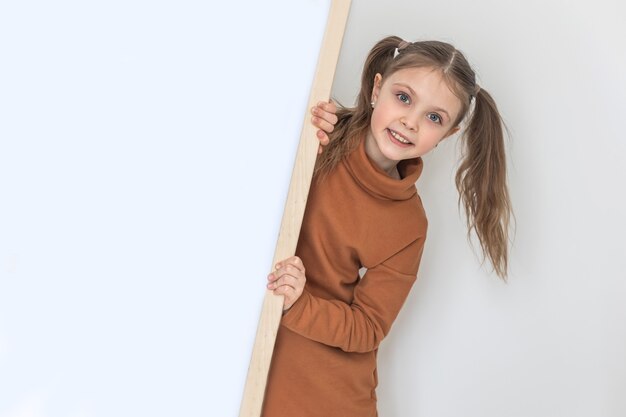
(392, 153)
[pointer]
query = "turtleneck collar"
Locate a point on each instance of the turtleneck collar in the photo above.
(377, 182)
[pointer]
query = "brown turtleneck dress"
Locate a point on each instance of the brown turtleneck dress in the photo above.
(324, 361)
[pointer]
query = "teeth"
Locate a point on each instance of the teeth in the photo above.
(398, 137)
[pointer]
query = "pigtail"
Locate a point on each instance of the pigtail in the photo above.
(353, 122)
(481, 182)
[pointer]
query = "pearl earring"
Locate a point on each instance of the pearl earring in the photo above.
(373, 103)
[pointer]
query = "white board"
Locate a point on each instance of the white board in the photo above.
(145, 155)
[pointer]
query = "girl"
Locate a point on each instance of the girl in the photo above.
(363, 210)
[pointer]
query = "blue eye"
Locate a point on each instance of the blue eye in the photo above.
(403, 98)
(436, 119)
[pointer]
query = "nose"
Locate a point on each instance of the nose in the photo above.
(408, 123)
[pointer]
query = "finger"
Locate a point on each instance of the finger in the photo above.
(326, 112)
(274, 284)
(288, 292)
(284, 281)
(281, 289)
(329, 106)
(295, 262)
(322, 137)
(323, 124)
(292, 260)
(284, 271)
(288, 270)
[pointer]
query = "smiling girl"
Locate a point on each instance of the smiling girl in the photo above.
(364, 213)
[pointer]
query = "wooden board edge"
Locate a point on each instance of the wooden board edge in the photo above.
(271, 312)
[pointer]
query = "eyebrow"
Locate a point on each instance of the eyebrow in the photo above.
(415, 94)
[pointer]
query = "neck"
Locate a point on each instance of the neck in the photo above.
(373, 152)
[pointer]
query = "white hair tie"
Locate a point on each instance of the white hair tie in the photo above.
(401, 46)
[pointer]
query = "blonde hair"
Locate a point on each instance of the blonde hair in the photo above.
(481, 176)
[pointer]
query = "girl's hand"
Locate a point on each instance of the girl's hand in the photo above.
(288, 280)
(325, 118)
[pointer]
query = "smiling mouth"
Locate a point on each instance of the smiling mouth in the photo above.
(399, 137)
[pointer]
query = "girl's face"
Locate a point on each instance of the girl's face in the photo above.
(413, 111)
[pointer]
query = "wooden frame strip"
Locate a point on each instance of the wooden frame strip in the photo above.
(301, 176)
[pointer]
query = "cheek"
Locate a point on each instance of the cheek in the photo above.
(377, 121)
(434, 138)
(428, 136)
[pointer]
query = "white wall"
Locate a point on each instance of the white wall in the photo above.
(551, 342)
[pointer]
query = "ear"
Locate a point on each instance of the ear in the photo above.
(376, 89)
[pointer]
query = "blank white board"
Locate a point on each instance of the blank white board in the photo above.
(145, 156)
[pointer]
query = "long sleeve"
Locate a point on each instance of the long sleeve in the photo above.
(361, 325)
(324, 359)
